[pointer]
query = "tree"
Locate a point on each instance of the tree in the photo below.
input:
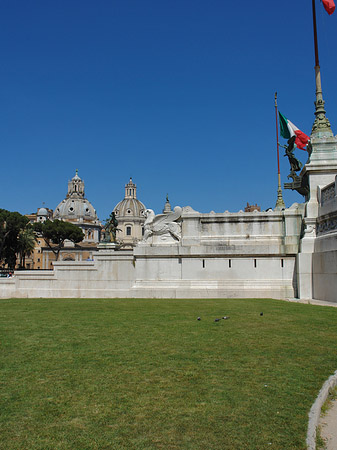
(11, 223)
(56, 232)
(26, 244)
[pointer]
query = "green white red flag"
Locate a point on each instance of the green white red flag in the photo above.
(329, 6)
(288, 129)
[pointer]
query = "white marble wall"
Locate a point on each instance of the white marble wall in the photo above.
(220, 255)
(324, 259)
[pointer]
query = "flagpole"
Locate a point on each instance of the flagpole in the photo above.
(280, 202)
(321, 123)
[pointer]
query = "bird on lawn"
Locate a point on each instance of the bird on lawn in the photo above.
(199, 318)
(217, 320)
(261, 313)
(226, 317)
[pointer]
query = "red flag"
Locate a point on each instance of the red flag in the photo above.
(329, 6)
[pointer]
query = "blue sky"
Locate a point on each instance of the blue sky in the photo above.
(177, 94)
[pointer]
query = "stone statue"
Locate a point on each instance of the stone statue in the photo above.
(163, 227)
(111, 228)
(309, 150)
(295, 164)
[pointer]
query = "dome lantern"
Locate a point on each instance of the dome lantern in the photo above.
(75, 187)
(130, 189)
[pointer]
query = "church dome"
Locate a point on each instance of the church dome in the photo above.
(42, 212)
(75, 207)
(130, 215)
(130, 206)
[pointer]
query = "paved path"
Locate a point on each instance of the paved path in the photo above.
(328, 425)
(313, 302)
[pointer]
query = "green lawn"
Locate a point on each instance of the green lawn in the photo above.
(145, 374)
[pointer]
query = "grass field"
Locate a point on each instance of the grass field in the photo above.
(146, 375)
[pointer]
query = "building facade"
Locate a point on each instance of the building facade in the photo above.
(76, 209)
(34, 261)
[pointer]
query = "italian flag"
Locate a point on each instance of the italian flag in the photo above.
(329, 6)
(288, 129)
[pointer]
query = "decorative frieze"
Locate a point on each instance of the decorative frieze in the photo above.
(328, 193)
(327, 224)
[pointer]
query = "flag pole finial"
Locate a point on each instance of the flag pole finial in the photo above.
(321, 123)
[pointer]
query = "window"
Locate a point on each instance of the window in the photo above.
(143, 231)
(128, 231)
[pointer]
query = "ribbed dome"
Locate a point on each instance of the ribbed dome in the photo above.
(131, 207)
(75, 207)
(130, 216)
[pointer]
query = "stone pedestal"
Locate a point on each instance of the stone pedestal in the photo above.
(319, 171)
(107, 246)
(162, 239)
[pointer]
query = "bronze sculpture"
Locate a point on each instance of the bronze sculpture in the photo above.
(295, 164)
(111, 228)
(299, 183)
